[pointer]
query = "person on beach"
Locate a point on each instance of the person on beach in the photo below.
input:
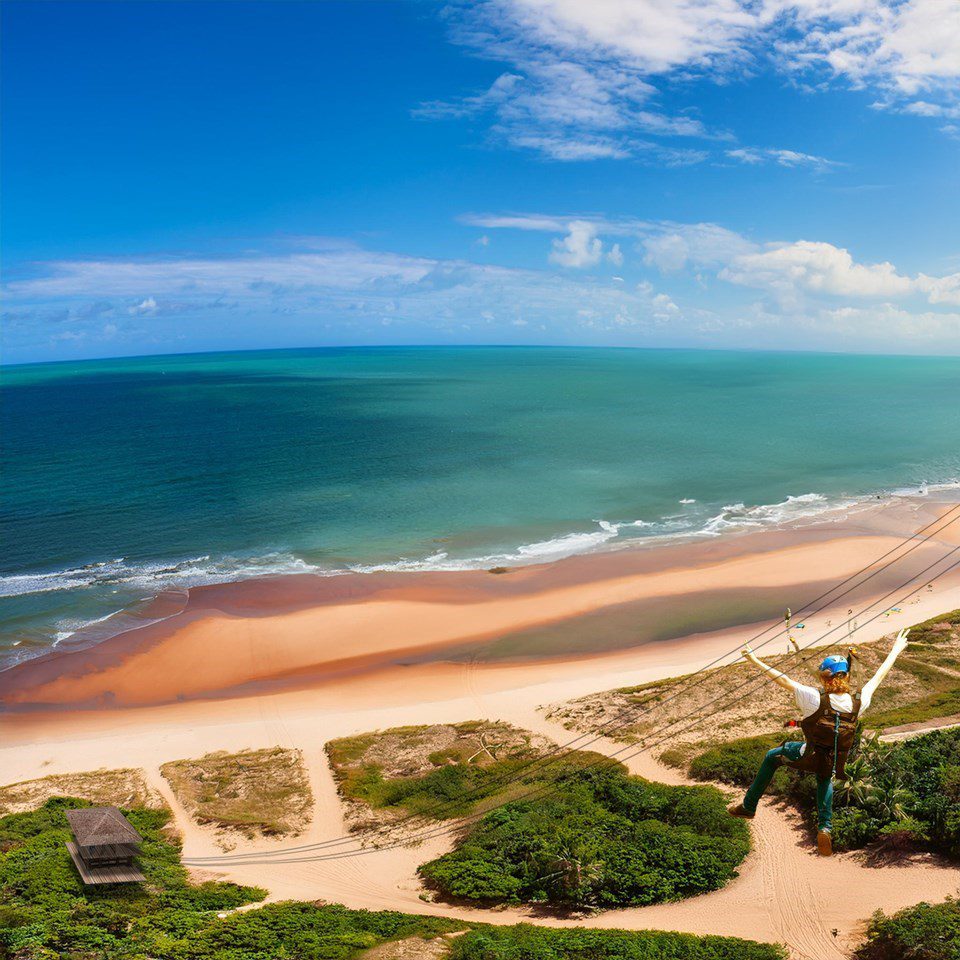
(829, 725)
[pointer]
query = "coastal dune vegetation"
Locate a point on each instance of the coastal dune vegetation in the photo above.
(575, 831)
(597, 838)
(902, 795)
(252, 792)
(441, 770)
(46, 913)
(125, 787)
(924, 687)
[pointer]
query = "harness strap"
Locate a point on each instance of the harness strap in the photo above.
(836, 742)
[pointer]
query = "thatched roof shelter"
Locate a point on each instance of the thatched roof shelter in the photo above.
(105, 845)
(99, 826)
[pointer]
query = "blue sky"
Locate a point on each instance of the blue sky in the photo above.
(717, 173)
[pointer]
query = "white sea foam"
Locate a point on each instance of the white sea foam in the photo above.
(151, 577)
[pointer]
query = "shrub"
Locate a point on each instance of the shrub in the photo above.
(599, 838)
(526, 942)
(47, 914)
(924, 932)
(737, 761)
(906, 795)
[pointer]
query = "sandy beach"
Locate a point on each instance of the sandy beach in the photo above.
(298, 661)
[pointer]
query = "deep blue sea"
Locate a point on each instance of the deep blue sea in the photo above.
(124, 478)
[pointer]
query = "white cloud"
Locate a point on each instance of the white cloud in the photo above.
(579, 248)
(755, 156)
(786, 269)
(567, 95)
(902, 46)
(887, 322)
(816, 267)
(580, 78)
(300, 294)
(671, 246)
(146, 306)
(813, 294)
(940, 289)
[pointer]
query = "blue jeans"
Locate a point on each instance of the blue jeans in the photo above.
(771, 763)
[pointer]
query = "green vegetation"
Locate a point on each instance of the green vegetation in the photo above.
(47, 914)
(444, 771)
(599, 838)
(903, 794)
(253, 791)
(736, 761)
(933, 660)
(526, 942)
(923, 932)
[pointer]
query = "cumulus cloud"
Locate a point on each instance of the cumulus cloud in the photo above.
(348, 294)
(787, 269)
(818, 267)
(822, 268)
(579, 248)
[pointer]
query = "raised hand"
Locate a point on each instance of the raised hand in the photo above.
(901, 643)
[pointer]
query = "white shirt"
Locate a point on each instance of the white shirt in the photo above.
(808, 699)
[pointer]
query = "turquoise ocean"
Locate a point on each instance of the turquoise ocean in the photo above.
(122, 479)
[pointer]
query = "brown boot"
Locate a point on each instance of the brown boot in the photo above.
(737, 811)
(824, 843)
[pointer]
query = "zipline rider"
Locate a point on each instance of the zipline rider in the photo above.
(829, 725)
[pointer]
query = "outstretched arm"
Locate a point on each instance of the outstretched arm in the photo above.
(779, 678)
(870, 687)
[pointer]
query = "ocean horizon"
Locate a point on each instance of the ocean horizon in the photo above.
(127, 477)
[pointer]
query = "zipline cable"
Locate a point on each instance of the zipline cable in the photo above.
(557, 752)
(539, 793)
(597, 733)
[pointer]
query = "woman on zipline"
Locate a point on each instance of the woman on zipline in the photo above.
(829, 725)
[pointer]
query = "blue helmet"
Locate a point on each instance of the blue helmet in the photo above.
(835, 665)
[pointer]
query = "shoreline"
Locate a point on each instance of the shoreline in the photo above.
(169, 597)
(302, 631)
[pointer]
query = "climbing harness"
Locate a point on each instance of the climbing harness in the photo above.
(830, 736)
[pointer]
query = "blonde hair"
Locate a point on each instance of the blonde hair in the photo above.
(835, 682)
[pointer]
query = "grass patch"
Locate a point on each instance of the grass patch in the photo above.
(441, 771)
(252, 792)
(924, 932)
(943, 703)
(125, 787)
(527, 942)
(599, 838)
